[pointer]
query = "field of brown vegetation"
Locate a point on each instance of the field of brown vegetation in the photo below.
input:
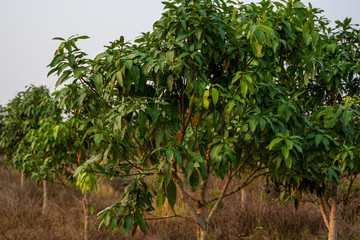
(265, 217)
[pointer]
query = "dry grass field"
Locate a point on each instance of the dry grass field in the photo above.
(264, 217)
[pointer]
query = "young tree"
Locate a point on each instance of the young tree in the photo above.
(46, 154)
(331, 149)
(82, 121)
(200, 97)
(22, 114)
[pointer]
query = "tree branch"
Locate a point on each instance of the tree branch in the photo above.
(184, 197)
(167, 217)
(213, 210)
(94, 91)
(324, 213)
(248, 180)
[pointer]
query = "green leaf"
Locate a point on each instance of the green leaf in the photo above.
(107, 219)
(299, 5)
(92, 209)
(100, 56)
(198, 33)
(288, 162)
(81, 37)
(289, 144)
(256, 47)
(78, 170)
(58, 38)
(170, 81)
(64, 76)
(170, 55)
(236, 77)
(189, 169)
(346, 117)
(56, 131)
(215, 95)
(167, 172)
(306, 28)
(178, 159)
(244, 87)
(318, 139)
(120, 79)
(98, 138)
(57, 59)
(206, 102)
(160, 197)
(128, 64)
(98, 81)
(227, 111)
(262, 123)
(216, 150)
(307, 39)
(140, 220)
(306, 79)
(194, 180)
(285, 151)
(274, 143)
(171, 193)
(113, 223)
(252, 124)
(128, 224)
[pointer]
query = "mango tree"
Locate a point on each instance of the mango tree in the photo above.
(200, 97)
(22, 114)
(331, 134)
(46, 153)
(78, 105)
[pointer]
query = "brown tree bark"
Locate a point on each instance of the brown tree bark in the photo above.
(324, 212)
(334, 213)
(45, 196)
(87, 214)
(243, 198)
(22, 178)
(204, 233)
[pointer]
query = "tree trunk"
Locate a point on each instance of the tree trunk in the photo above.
(334, 215)
(243, 198)
(22, 177)
(324, 211)
(45, 197)
(87, 214)
(203, 233)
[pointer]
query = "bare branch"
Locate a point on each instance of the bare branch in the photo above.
(247, 181)
(213, 210)
(167, 217)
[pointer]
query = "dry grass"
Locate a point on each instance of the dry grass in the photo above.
(264, 218)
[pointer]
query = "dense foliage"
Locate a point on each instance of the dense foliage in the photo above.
(22, 115)
(217, 90)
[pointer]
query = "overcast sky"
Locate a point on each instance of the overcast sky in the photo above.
(27, 28)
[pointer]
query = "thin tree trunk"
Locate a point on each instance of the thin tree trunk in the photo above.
(87, 214)
(45, 197)
(243, 198)
(198, 232)
(334, 215)
(323, 211)
(204, 233)
(22, 177)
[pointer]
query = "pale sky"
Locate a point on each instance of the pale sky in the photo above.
(27, 27)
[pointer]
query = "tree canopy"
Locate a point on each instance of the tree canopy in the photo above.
(217, 90)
